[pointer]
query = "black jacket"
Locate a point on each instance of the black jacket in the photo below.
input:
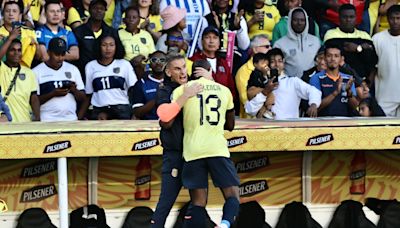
(171, 138)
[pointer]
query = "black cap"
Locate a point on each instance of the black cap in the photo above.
(94, 2)
(57, 45)
(210, 29)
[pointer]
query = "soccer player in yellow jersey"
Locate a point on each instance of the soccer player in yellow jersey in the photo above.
(205, 150)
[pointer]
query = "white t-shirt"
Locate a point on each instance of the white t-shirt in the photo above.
(387, 48)
(109, 84)
(58, 108)
(195, 10)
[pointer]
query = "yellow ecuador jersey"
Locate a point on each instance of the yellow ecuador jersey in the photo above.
(108, 18)
(135, 44)
(271, 18)
(155, 22)
(28, 36)
(74, 16)
(19, 98)
(204, 120)
(36, 6)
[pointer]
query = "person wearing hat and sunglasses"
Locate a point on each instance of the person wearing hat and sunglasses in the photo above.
(60, 85)
(143, 93)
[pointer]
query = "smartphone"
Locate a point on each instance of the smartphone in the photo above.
(274, 74)
(16, 24)
(66, 85)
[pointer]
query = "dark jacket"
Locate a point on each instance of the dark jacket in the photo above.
(171, 138)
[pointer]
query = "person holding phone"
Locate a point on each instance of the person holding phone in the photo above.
(288, 92)
(60, 85)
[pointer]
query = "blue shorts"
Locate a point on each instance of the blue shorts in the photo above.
(222, 171)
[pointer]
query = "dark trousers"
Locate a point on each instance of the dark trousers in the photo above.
(171, 185)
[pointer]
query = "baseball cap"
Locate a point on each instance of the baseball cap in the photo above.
(94, 2)
(210, 29)
(57, 45)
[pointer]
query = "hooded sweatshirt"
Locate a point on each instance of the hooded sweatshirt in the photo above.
(299, 49)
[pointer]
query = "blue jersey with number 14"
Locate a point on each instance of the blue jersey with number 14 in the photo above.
(204, 120)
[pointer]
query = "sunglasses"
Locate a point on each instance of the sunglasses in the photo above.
(266, 46)
(175, 38)
(157, 60)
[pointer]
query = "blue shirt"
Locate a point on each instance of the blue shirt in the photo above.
(144, 91)
(339, 106)
(44, 35)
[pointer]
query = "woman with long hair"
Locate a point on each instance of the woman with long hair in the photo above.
(150, 19)
(108, 79)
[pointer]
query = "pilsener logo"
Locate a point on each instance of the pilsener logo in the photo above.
(319, 140)
(38, 193)
(236, 141)
(57, 146)
(396, 140)
(252, 164)
(39, 169)
(145, 144)
(251, 188)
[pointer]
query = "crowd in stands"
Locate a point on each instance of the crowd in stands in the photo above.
(64, 60)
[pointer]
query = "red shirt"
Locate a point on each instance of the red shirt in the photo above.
(223, 75)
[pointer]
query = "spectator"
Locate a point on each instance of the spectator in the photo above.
(319, 65)
(137, 42)
(261, 18)
(5, 114)
(52, 29)
(387, 45)
(174, 19)
(194, 12)
(60, 85)
(150, 19)
(225, 20)
(288, 92)
(257, 83)
(220, 69)
(18, 82)
(281, 28)
(144, 92)
(337, 88)
(108, 79)
(298, 46)
(259, 44)
(176, 44)
(12, 12)
(88, 33)
(358, 48)
(79, 14)
(369, 107)
(171, 135)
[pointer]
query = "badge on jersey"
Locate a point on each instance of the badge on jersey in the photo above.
(221, 69)
(143, 40)
(269, 15)
(68, 75)
(22, 76)
(152, 26)
(116, 70)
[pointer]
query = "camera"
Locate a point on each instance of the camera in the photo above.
(16, 24)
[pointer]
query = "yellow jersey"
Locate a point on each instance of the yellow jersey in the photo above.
(35, 9)
(155, 22)
(108, 17)
(74, 16)
(271, 18)
(28, 37)
(19, 99)
(135, 44)
(241, 79)
(204, 120)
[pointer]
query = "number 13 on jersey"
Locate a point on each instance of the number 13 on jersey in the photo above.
(209, 109)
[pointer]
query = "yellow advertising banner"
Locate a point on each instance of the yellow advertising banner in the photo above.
(127, 138)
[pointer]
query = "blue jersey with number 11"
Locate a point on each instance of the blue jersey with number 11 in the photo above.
(204, 120)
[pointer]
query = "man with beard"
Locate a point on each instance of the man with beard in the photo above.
(338, 90)
(60, 85)
(143, 94)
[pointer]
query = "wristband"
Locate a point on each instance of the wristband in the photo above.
(167, 112)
